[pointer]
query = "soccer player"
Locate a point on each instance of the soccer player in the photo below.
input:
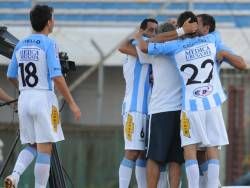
(134, 111)
(164, 144)
(206, 25)
(202, 123)
(35, 69)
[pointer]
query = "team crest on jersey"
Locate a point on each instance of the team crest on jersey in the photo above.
(55, 119)
(203, 91)
(129, 127)
(197, 52)
(185, 125)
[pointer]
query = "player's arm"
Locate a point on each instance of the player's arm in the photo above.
(62, 87)
(127, 48)
(12, 71)
(234, 60)
(172, 35)
(143, 57)
(152, 48)
(54, 67)
(225, 53)
(4, 96)
(138, 40)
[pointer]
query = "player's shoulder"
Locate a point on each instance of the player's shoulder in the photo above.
(214, 35)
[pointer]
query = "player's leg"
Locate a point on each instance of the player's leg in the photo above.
(159, 141)
(163, 179)
(153, 173)
(174, 174)
(217, 136)
(134, 138)
(42, 165)
(213, 167)
(126, 167)
(24, 159)
(191, 165)
(175, 154)
(27, 155)
(140, 170)
(48, 130)
(193, 132)
(140, 167)
(203, 166)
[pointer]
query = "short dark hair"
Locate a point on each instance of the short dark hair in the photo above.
(144, 23)
(166, 27)
(39, 16)
(208, 20)
(184, 16)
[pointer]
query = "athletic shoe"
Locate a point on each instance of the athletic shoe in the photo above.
(10, 182)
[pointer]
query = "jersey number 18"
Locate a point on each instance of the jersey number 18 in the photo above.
(28, 74)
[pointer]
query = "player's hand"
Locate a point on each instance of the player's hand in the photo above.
(14, 106)
(190, 27)
(76, 111)
(219, 56)
(138, 34)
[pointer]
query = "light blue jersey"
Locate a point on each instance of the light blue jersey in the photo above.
(137, 85)
(195, 59)
(35, 62)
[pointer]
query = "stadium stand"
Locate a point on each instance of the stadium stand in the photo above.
(126, 12)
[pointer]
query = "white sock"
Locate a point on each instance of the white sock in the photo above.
(140, 173)
(203, 174)
(41, 170)
(163, 182)
(25, 157)
(213, 173)
(125, 172)
(192, 171)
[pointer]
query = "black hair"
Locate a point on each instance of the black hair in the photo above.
(184, 16)
(208, 20)
(144, 23)
(39, 16)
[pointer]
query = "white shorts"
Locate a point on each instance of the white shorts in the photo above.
(134, 126)
(204, 128)
(39, 117)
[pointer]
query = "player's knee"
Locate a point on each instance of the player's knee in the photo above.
(132, 154)
(44, 148)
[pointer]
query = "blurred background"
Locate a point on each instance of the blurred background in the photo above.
(90, 32)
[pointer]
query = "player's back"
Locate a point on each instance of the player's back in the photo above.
(35, 61)
(196, 62)
(137, 90)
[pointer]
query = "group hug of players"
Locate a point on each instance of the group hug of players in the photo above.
(172, 105)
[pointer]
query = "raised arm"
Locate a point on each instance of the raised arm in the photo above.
(127, 48)
(172, 35)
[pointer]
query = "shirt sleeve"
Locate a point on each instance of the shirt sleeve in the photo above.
(166, 48)
(52, 58)
(12, 71)
(144, 58)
